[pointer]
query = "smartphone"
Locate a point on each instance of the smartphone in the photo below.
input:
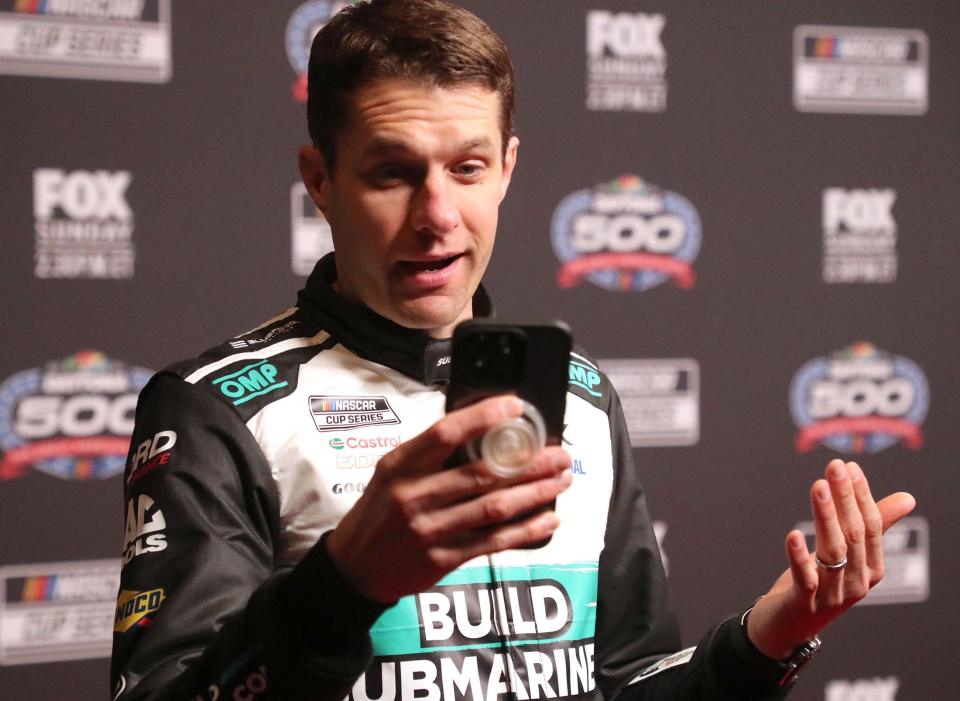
(530, 361)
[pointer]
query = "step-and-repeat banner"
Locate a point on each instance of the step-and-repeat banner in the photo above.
(746, 210)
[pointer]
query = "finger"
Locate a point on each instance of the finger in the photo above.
(457, 484)
(802, 566)
(872, 521)
(528, 531)
(831, 545)
(449, 524)
(895, 507)
(851, 521)
(427, 451)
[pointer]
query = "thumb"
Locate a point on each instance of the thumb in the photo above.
(895, 507)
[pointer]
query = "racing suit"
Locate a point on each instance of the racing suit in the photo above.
(241, 461)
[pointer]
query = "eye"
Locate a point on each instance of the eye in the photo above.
(470, 169)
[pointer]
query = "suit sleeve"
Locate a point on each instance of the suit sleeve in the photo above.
(204, 612)
(638, 636)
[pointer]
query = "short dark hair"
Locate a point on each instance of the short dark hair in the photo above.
(433, 41)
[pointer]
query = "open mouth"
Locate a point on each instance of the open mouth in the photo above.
(421, 266)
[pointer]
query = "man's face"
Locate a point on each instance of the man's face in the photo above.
(414, 198)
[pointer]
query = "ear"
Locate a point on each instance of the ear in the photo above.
(509, 163)
(313, 170)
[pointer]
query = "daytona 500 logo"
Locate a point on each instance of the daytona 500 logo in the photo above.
(626, 235)
(72, 418)
(859, 400)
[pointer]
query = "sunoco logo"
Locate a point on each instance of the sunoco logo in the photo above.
(859, 400)
(72, 419)
(83, 224)
(340, 413)
(302, 27)
(135, 607)
(626, 235)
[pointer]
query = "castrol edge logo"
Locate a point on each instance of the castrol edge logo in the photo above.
(626, 234)
(859, 400)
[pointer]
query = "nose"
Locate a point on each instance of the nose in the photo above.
(434, 208)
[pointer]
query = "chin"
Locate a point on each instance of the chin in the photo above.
(432, 314)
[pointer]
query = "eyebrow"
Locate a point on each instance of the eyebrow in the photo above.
(381, 146)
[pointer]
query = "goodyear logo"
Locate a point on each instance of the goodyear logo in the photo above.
(585, 377)
(134, 607)
(250, 382)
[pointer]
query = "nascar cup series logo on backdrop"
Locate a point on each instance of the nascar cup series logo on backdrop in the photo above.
(859, 400)
(83, 224)
(95, 39)
(72, 418)
(626, 235)
(302, 26)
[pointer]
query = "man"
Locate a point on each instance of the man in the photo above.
(262, 561)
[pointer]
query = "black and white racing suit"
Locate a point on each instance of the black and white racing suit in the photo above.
(242, 459)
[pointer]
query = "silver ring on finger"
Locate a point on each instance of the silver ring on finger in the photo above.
(832, 566)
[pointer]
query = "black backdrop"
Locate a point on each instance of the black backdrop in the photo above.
(149, 210)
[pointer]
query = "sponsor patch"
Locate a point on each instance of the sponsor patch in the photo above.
(338, 413)
(135, 608)
(151, 454)
(661, 399)
(127, 40)
(71, 418)
(144, 528)
(859, 400)
(626, 235)
(585, 375)
(864, 70)
(249, 382)
(50, 612)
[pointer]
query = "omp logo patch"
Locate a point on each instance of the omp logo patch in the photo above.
(135, 607)
(584, 376)
(250, 382)
(337, 413)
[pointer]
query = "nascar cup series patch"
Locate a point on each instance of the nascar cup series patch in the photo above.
(72, 418)
(626, 235)
(859, 400)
